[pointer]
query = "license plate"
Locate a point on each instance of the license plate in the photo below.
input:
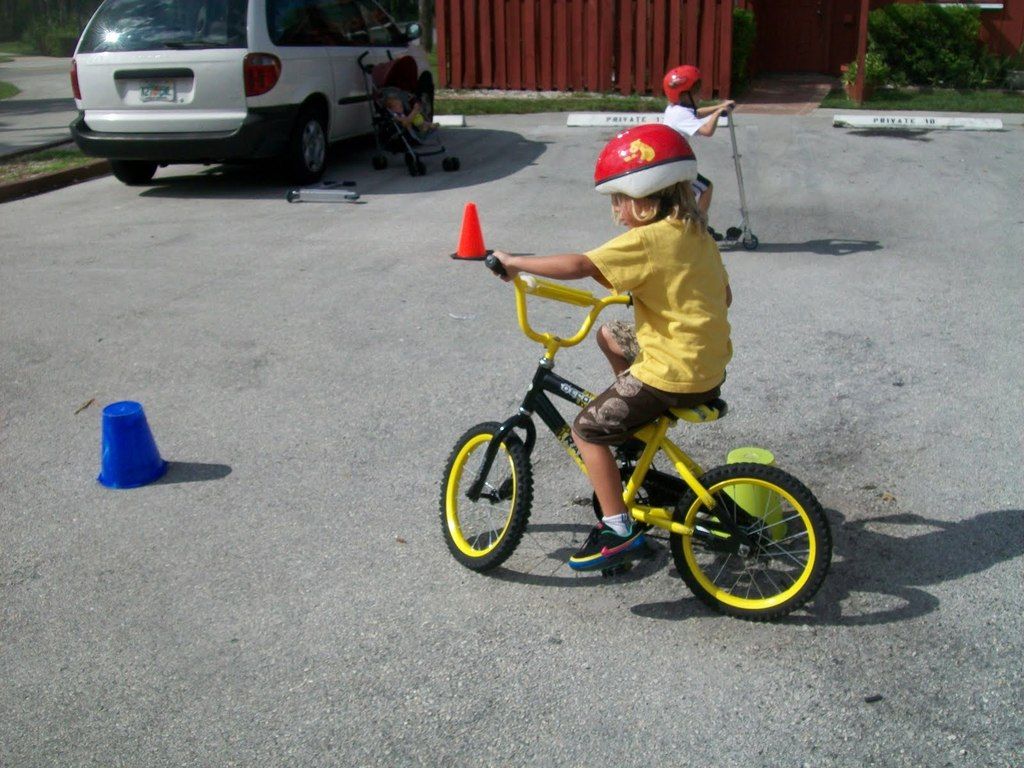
(158, 90)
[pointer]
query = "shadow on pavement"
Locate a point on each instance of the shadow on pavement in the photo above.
(485, 155)
(36, 106)
(542, 559)
(825, 246)
(913, 134)
(192, 472)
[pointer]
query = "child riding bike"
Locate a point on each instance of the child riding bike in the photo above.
(680, 292)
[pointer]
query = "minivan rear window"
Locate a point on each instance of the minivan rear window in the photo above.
(151, 25)
(331, 22)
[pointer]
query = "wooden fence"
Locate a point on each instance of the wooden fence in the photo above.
(582, 45)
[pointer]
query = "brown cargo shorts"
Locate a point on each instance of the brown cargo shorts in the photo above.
(629, 405)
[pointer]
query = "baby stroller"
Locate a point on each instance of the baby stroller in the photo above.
(402, 104)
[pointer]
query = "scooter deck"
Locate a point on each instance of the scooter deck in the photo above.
(329, 192)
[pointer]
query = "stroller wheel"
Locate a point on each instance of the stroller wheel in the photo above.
(421, 168)
(380, 162)
(411, 163)
(450, 163)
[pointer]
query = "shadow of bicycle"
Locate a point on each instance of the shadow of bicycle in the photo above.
(882, 565)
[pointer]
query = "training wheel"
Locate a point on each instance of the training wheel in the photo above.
(751, 243)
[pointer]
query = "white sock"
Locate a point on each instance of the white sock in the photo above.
(618, 523)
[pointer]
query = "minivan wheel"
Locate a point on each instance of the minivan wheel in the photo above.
(133, 172)
(306, 156)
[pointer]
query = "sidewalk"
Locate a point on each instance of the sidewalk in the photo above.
(44, 109)
(785, 94)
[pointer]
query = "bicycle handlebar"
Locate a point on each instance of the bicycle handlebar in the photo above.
(528, 284)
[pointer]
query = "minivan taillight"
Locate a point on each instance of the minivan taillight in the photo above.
(75, 89)
(262, 71)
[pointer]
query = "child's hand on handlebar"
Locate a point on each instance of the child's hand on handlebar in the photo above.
(506, 262)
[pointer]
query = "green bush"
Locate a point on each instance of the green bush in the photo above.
(50, 39)
(933, 45)
(744, 32)
(876, 72)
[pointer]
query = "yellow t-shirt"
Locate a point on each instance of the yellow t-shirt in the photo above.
(678, 284)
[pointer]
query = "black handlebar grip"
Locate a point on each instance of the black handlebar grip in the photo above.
(494, 264)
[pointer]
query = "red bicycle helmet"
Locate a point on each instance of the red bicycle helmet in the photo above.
(679, 80)
(643, 160)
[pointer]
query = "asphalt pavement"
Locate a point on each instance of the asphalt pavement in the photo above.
(41, 113)
(284, 596)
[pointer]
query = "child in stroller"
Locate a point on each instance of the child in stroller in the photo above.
(407, 110)
(403, 114)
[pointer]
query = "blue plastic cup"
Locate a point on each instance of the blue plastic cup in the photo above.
(129, 456)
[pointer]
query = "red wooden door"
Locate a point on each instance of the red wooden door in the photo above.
(791, 35)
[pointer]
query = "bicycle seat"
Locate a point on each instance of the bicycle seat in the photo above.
(712, 410)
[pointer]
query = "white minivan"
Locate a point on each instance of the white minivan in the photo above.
(158, 82)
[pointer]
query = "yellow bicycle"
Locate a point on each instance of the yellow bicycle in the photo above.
(749, 540)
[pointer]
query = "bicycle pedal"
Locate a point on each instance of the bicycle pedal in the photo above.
(617, 569)
(645, 552)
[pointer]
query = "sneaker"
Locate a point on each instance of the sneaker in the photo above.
(604, 547)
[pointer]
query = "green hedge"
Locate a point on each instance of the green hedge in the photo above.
(744, 33)
(933, 45)
(51, 39)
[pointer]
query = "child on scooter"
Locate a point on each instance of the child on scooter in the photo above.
(680, 291)
(681, 84)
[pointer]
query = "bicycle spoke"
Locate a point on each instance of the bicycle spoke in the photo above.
(772, 582)
(725, 562)
(788, 553)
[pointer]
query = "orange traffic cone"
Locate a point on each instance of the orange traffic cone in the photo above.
(471, 241)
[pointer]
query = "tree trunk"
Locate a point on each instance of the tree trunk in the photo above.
(427, 24)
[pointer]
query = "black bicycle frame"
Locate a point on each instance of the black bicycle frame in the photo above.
(536, 401)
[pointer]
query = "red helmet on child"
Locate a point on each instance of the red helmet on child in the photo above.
(643, 160)
(679, 80)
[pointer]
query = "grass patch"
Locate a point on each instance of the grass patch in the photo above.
(41, 163)
(483, 103)
(7, 90)
(932, 99)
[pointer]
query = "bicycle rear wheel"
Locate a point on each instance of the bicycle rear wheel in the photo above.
(483, 534)
(779, 561)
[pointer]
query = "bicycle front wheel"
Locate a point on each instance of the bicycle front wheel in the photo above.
(779, 561)
(483, 534)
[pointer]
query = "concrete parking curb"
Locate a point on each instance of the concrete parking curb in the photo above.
(16, 190)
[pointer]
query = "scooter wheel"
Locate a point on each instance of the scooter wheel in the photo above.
(751, 243)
